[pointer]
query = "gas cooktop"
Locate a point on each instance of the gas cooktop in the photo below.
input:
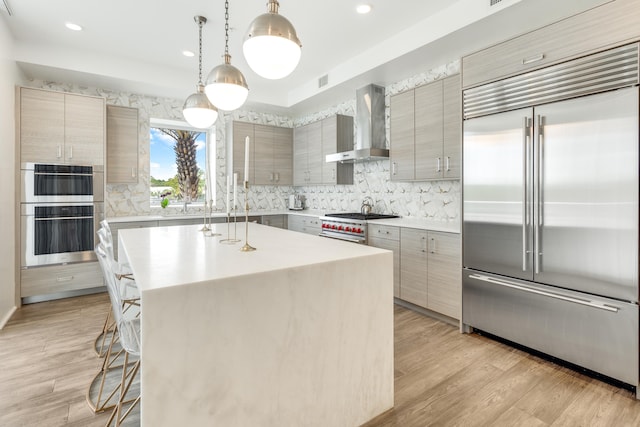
(360, 216)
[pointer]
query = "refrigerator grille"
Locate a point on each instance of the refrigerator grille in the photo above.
(604, 71)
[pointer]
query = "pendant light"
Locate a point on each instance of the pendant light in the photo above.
(271, 45)
(226, 86)
(197, 109)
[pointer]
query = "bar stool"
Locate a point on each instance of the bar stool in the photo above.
(129, 289)
(128, 329)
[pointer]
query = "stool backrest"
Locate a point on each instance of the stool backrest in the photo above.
(128, 327)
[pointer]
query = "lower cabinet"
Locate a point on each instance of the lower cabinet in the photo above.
(384, 237)
(430, 270)
(279, 221)
(304, 224)
(59, 278)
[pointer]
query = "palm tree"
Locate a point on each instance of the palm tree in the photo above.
(185, 149)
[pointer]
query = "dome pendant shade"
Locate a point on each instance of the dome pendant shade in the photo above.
(226, 86)
(198, 111)
(271, 46)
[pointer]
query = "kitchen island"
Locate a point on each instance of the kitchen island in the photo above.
(298, 332)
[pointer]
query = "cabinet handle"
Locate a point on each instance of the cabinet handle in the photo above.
(271, 177)
(71, 151)
(424, 247)
(133, 172)
(531, 59)
(394, 168)
(433, 245)
(333, 174)
(59, 154)
(447, 163)
(64, 279)
(277, 176)
(438, 166)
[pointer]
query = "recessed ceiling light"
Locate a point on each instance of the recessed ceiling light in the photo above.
(363, 8)
(72, 26)
(188, 53)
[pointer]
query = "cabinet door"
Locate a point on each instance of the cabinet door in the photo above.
(428, 131)
(452, 126)
(444, 291)
(314, 150)
(263, 155)
(41, 126)
(84, 119)
(122, 145)
(329, 146)
(402, 147)
(413, 266)
(300, 155)
(283, 155)
(240, 131)
(394, 246)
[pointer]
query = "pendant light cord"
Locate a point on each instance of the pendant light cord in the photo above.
(200, 53)
(226, 28)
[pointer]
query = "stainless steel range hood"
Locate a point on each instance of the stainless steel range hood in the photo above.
(370, 135)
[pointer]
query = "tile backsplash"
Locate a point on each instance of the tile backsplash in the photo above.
(435, 200)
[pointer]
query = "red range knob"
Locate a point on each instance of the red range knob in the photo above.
(358, 230)
(333, 227)
(347, 229)
(340, 228)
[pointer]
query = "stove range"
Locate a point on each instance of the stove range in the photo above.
(350, 226)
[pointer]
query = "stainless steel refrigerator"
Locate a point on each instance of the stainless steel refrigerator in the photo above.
(550, 211)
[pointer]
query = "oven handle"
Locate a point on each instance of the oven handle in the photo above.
(63, 217)
(342, 238)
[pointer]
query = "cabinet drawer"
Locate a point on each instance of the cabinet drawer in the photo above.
(60, 278)
(384, 232)
(605, 26)
(304, 224)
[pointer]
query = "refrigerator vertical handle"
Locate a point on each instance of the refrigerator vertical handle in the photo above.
(525, 157)
(540, 222)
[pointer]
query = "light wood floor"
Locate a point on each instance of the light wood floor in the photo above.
(443, 378)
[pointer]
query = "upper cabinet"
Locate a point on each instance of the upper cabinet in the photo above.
(60, 127)
(311, 144)
(426, 129)
(122, 145)
(611, 24)
(271, 153)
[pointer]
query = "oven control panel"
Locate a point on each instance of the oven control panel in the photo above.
(352, 230)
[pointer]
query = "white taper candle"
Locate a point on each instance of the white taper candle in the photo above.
(228, 194)
(246, 159)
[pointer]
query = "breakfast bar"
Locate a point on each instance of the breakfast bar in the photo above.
(297, 332)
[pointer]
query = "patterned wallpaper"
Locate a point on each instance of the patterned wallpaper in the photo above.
(435, 200)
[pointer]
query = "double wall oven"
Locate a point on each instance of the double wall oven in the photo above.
(60, 211)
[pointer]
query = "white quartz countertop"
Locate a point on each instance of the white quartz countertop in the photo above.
(421, 224)
(117, 219)
(204, 258)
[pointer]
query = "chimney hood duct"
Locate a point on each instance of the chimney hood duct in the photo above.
(370, 128)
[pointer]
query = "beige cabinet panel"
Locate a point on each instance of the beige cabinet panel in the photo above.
(60, 278)
(122, 145)
(240, 131)
(84, 119)
(452, 127)
(300, 155)
(444, 291)
(329, 146)
(402, 145)
(383, 231)
(262, 154)
(278, 221)
(314, 153)
(413, 266)
(611, 24)
(428, 131)
(61, 128)
(394, 246)
(283, 155)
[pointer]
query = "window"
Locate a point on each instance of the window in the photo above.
(178, 163)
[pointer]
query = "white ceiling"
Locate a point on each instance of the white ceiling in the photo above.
(136, 45)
